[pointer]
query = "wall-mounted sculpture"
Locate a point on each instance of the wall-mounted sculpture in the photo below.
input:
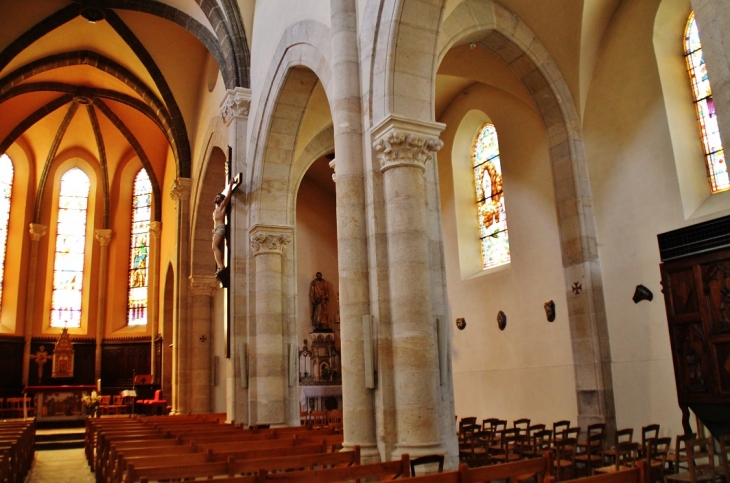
(642, 293)
(501, 320)
(461, 323)
(550, 311)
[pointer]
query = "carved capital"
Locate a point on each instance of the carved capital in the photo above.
(180, 190)
(406, 142)
(270, 239)
(235, 104)
(155, 229)
(334, 171)
(37, 231)
(203, 285)
(104, 235)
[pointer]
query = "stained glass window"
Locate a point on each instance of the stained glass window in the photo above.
(68, 265)
(139, 249)
(6, 188)
(705, 107)
(490, 198)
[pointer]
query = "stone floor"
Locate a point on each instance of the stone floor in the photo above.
(59, 466)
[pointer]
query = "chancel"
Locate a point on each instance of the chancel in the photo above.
(381, 171)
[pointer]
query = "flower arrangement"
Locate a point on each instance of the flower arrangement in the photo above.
(92, 402)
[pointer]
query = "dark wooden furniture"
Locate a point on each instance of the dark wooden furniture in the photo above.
(696, 285)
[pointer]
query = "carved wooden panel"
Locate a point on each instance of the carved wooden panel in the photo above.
(120, 362)
(716, 290)
(697, 299)
(11, 361)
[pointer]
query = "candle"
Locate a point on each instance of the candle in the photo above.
(98, 386)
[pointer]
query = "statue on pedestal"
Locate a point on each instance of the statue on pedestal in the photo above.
(319, 296)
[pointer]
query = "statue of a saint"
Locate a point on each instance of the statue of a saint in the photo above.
(319, 295)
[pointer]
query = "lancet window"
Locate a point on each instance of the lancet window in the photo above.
(139, 250)
(717, 173)
(68, 264)
(6, 190)
(492, 218)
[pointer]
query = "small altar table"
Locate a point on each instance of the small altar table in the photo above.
(58, 403)
(318, 393)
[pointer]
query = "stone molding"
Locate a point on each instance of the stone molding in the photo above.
(156, 229)
(37, 231)
(399, 141)
(203, 285)
(270, 239)
(180, 190)
(104, 235)
(235, 104)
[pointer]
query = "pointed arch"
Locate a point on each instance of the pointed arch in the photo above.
(6, 190)
(137, 295)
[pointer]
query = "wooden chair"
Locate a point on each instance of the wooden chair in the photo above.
(334, 419)
(14, 407)
(104, 404)
(724, 467)
(564, 456)
(475, 452)
(591, 456)
(648, 432)
(428, 460)
(677, 458)
(510, 443)
(318, 419)
(656, 458)
(540, 442)
(626, 454)
(700, 461)
(558, 428)
(625, 435)
(467, 426)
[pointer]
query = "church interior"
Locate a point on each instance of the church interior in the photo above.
(482, 185)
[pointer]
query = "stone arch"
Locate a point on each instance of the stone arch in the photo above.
(296, 67)
(209, 181)
(500, 31)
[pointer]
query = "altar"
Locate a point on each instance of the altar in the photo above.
(58, 403)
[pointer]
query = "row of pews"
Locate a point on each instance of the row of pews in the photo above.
(188, 448)
(17, 449)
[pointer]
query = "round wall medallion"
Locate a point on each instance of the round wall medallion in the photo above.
(501, 320)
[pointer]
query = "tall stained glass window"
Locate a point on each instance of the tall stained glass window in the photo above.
(139, 249)
(490, 198)
(6, 189)
(704, 105)
(68, 265)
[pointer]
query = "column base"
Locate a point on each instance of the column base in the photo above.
(368, 452)
(417, 450)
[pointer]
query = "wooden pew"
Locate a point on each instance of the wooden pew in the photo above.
(515, 472)
(232, 466)
(207, 454)
(382, 471)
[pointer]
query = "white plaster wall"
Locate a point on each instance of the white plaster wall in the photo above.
(636, 196)
(526, 370)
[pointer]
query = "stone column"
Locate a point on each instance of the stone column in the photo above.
(354, 289)
(104, 235)
(201, 300)
(153, 294)
(267, 375)
(234, 111)
(713, 17)
(180, 193)
(403, 147)
(36, 233)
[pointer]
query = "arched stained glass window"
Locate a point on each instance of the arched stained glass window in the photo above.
(705, 107)
(68, 265)
(6, 189)
(490, 198)
(139, 249)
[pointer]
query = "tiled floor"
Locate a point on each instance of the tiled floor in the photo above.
(60, 466)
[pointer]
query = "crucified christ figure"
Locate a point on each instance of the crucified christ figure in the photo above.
(219, 224)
